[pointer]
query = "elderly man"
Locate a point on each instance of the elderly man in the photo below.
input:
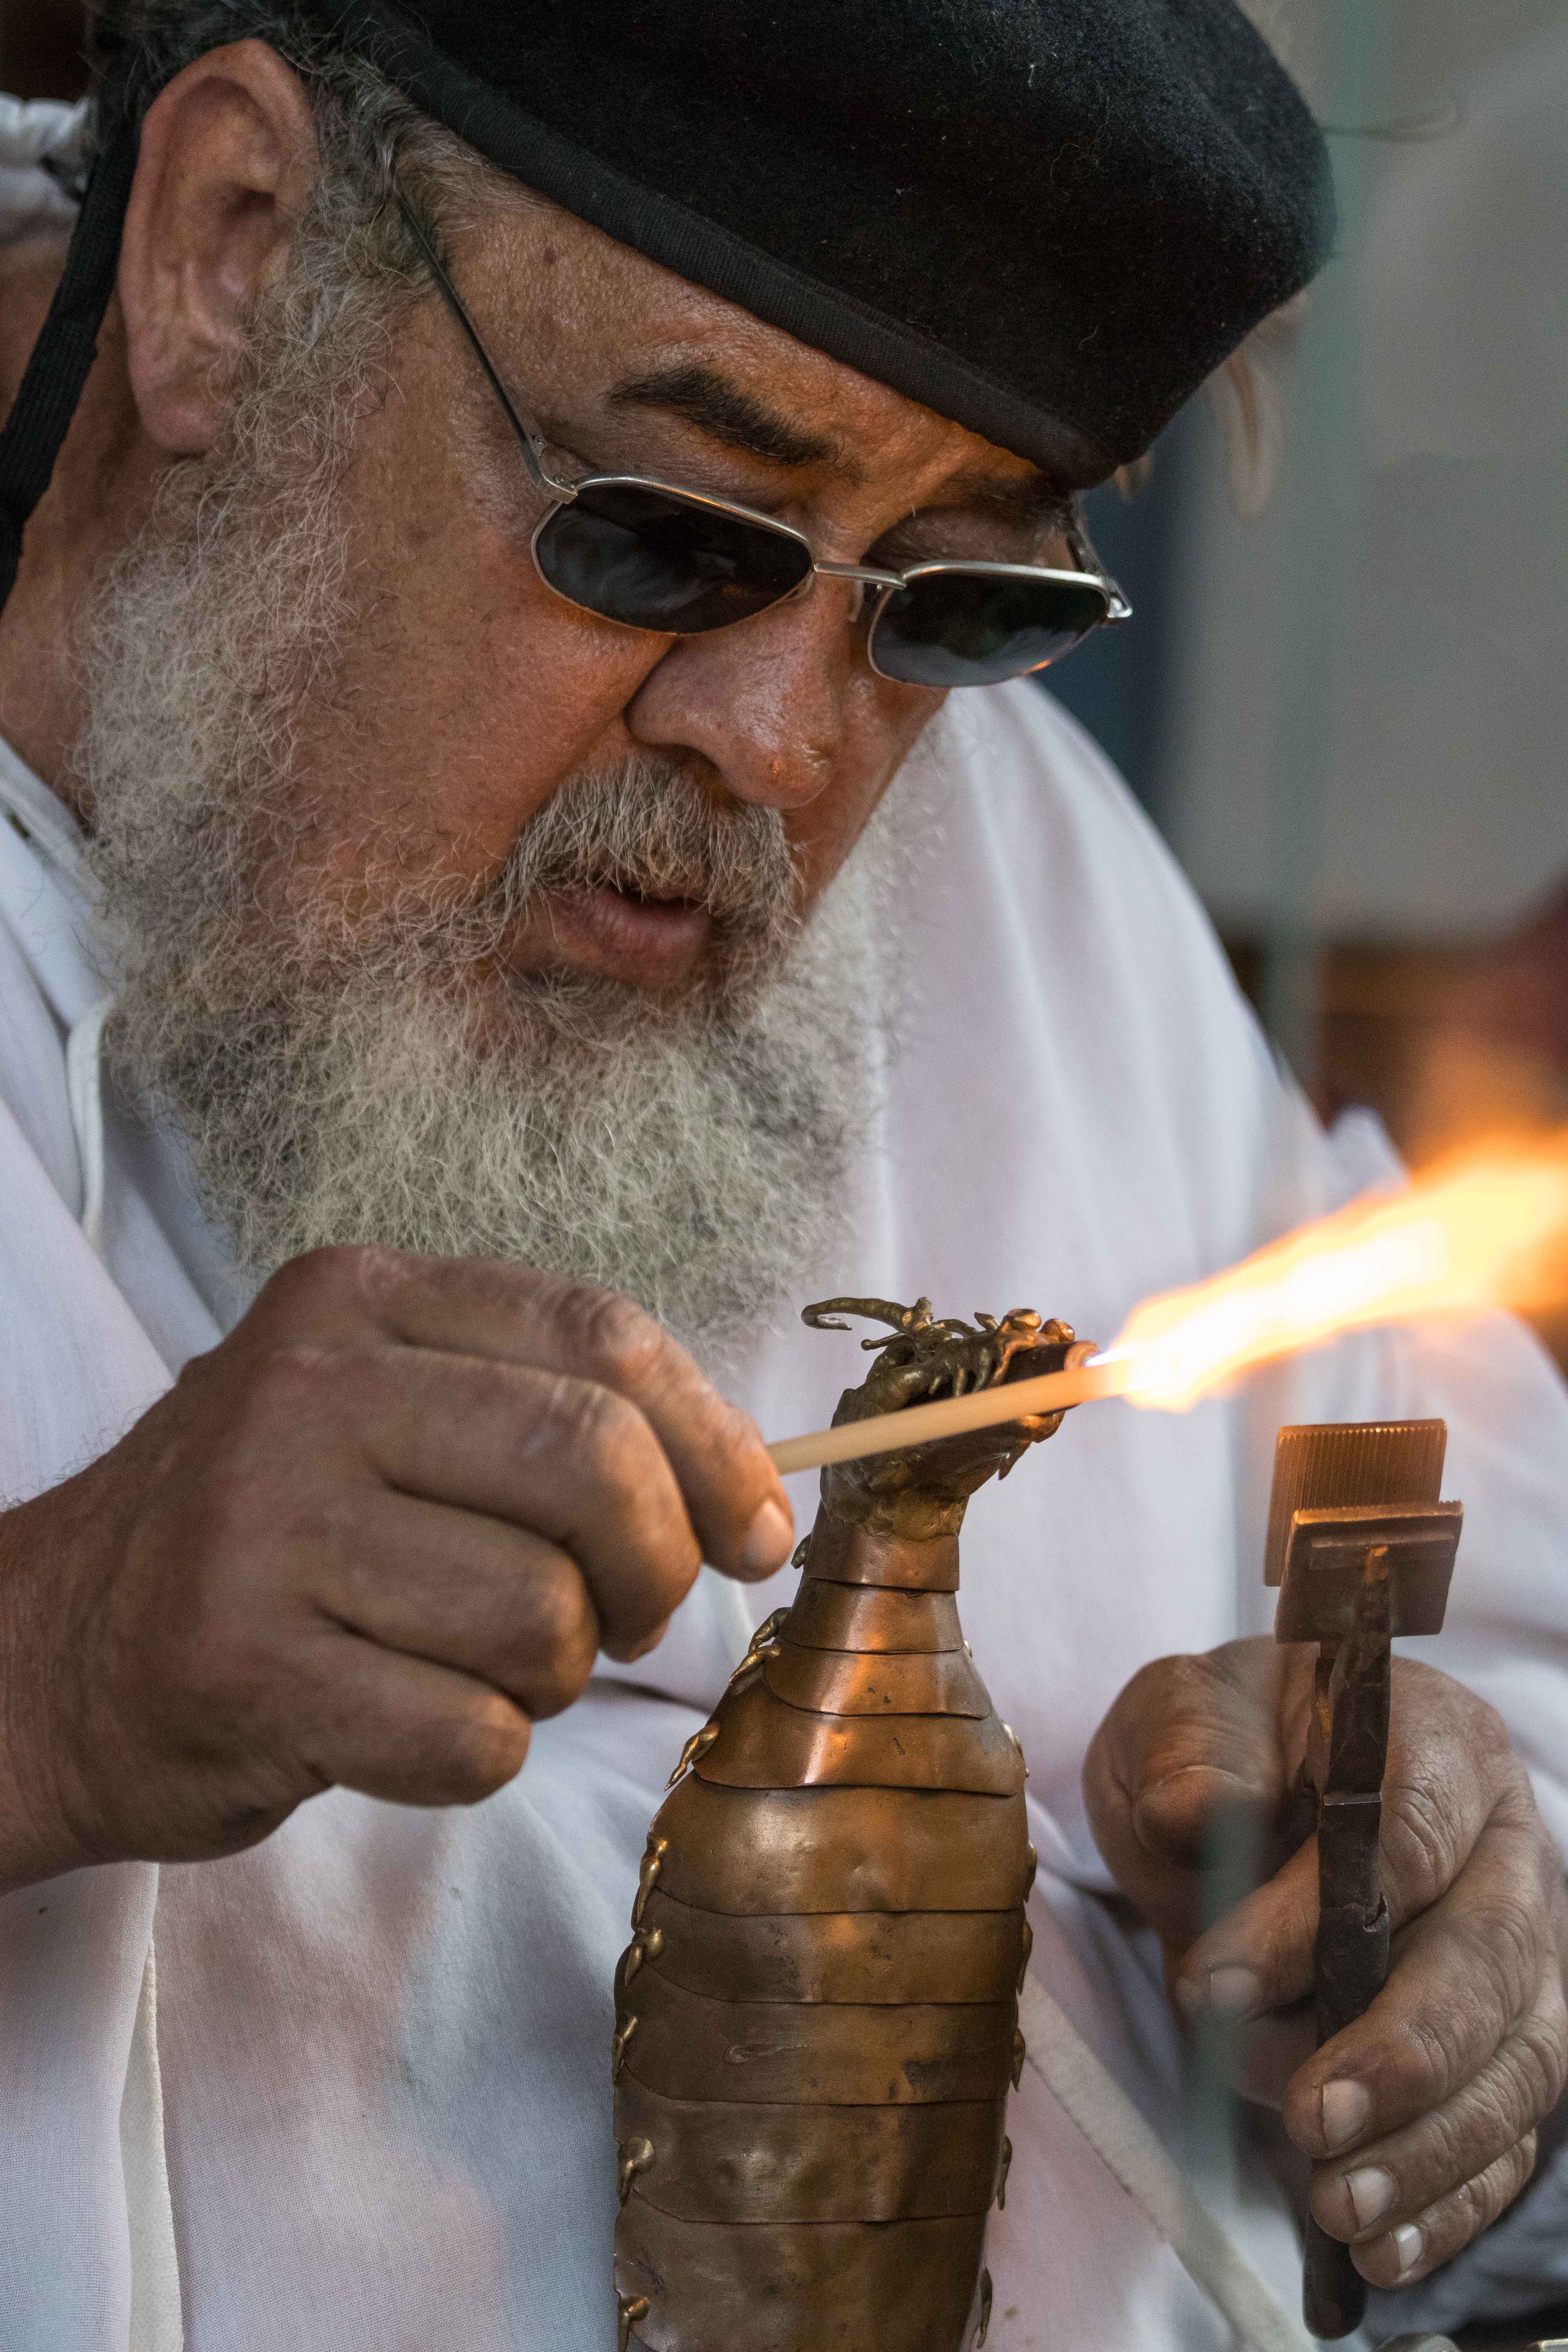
(485, 846)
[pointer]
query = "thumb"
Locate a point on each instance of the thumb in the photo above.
(1187, 1763)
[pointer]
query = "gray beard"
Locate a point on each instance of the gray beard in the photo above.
(339, 1077)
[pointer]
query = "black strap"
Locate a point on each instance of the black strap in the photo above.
(63, 355)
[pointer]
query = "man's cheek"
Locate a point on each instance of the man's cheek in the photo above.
(475, 735)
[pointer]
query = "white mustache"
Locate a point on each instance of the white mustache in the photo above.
(650, 829)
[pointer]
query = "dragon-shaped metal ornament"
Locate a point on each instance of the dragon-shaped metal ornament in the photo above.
(817, 2016)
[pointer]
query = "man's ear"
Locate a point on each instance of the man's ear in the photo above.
(227, 162)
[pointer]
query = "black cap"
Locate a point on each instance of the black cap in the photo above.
(1049, 220)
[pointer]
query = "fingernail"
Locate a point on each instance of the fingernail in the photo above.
(1372, 2191)
(1234, 1991)
(1407, 2246)
(770, 1539)
(1346, 2108)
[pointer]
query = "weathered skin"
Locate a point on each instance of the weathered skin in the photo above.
(816, 2019)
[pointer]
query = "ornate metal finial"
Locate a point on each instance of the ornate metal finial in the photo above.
(923, 1356)
(827, 1315)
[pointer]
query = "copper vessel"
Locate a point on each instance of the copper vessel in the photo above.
(817, 2016)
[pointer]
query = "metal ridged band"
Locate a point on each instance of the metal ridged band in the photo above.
(840, 1955)
(846, 1554)
(836, 1682)
(751, 1850)
(815, 2053)
(863, 1617)
(804, 2164)
(765, 1743)
(711, 2289)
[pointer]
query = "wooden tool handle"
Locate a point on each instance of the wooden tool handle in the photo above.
(1351, 1968)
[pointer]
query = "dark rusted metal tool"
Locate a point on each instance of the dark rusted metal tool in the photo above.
(817, 2021)
(1362, 1549)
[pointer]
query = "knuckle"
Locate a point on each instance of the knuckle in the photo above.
(627, 1491)
(1479, 2201)
(561, 1636)
(612, 1338)
(1486, 2196)
(615, 1436)
(322, 1277)
(1465, 2212)
(741, 1444)
(1469, 2211)
(1155, 1712)
(479, 1748)
(635, 1483)
(559, 1683)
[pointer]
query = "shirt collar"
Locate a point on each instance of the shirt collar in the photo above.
(49, 901)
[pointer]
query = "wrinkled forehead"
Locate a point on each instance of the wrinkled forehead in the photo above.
(595, 319)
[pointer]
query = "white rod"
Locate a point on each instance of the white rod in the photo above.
(918, 1425)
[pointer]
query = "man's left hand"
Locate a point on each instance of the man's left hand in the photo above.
(1422, 2116)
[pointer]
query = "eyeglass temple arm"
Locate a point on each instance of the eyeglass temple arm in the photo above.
(1083, 548)
(529, 440)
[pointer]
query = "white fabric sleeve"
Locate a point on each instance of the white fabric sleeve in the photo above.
(41, 145)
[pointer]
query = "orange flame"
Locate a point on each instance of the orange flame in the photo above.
(1470, 1233)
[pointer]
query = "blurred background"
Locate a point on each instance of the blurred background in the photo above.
(1348, 712)
(41, 48)
(1349, 715)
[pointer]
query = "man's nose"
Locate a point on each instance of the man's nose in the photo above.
(768, 701)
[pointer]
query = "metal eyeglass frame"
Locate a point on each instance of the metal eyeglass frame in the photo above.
(530, 441)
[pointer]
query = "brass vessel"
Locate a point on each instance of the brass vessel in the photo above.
(817, 2016)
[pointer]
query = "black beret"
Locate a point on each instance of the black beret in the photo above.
(1047, 219)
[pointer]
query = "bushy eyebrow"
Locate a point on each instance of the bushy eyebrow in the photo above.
(720, 408)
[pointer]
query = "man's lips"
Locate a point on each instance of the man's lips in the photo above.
(650, 943)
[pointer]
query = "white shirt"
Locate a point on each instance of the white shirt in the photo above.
(383, 2035)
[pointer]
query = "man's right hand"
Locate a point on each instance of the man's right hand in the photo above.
(368, 1541)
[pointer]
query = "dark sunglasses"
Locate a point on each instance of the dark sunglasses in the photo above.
(643, 552)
